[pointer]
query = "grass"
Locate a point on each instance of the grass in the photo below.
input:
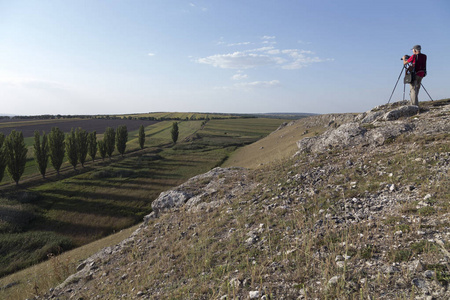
(275, 147)
(211, 259)
(205, 255)
(29, 282)
(180, 116)
(106, 197)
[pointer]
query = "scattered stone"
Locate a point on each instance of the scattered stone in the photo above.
(429, 274)
(420, 283)
(334, 280)
(254, 294)
(384, 215)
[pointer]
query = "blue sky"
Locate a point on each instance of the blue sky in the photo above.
(233, 56)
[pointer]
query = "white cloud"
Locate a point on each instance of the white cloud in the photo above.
(273, 51)
(193, 5)
(237, 60)
(251, 85)
(267, 55)
(151, 54)
(239, 76)
(262, 49)
(301, 59)
(239, 44)
(258, 84)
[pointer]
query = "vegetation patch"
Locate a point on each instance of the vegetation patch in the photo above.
(109, 195)
(19, 250)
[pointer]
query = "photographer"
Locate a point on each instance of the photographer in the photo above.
(418, 65)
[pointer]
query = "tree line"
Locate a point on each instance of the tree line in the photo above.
(52, 148)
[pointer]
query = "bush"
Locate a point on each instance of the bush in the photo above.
(20, 250)
(14, 218)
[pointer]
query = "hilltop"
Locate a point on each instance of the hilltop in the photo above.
(344, 206)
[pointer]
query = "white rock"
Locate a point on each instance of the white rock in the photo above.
(334, 280)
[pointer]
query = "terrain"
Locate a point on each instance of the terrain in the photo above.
(44, 217)
(348, 206)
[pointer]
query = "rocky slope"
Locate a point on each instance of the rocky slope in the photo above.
(360, 212)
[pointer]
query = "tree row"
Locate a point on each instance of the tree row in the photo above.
(75, 145)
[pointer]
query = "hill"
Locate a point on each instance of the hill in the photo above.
(339, 207)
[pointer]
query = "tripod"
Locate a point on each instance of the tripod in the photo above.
(404, 86)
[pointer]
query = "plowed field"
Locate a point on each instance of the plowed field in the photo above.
(99, 125)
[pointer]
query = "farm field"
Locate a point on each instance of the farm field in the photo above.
(181, 116)
(99, 125)
(60, 213)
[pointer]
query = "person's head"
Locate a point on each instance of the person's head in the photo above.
(416, 49)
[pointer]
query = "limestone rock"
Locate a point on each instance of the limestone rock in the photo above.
(168, 200)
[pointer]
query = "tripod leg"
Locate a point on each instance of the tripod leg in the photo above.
(396, 85)
(427, 92)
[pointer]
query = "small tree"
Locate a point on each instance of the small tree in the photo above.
(109, 138)
(16, 155)
(82, 145)
(41, 152)
(174, 132)
(102, 149)
(57, 149)
(72, 149)
(2, 156)
(121, 139)
(141, 136)
(92, 142)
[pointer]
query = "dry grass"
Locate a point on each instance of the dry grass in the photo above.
(275, 147)
(41, 277)
(278, 240)
(280, 243)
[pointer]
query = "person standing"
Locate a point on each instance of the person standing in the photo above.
(418, 63)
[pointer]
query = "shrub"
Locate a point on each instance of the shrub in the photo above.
(19, 250)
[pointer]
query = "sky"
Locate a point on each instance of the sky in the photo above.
(222, 56)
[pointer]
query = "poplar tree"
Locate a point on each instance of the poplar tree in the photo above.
(109, 138)
(2, 156)
(102, 149)
(41, 152)
(174, 132)
(57, 149)
(141, 136)
(92, 144)
(121, 139)
(82, 144)
(72, 149)
(16, 155)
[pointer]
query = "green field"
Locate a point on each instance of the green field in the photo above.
(179, 116)
(54, 215)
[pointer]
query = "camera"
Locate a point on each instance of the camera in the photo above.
(406, 57)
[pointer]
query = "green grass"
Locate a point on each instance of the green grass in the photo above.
(206, 255)
(104, 197)
(180, 116)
